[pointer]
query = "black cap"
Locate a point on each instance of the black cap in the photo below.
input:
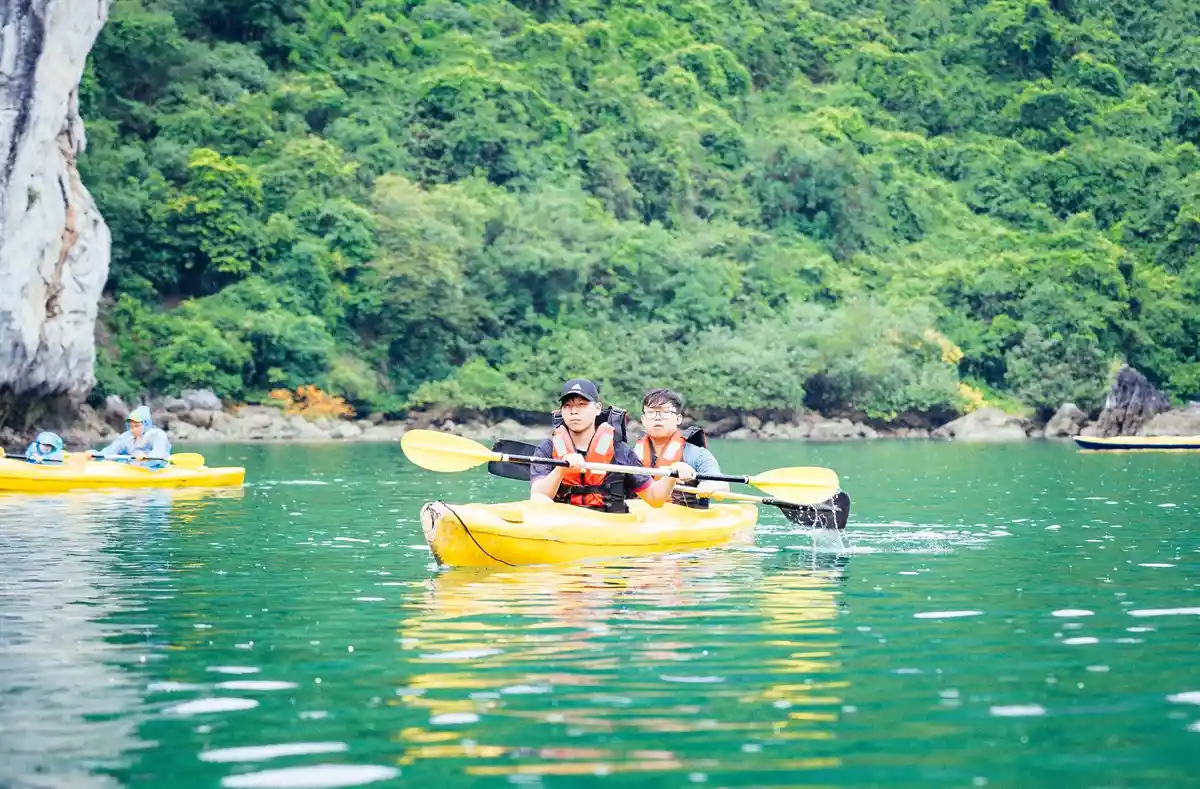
(580, 387)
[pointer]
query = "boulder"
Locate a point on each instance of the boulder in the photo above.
(173, 404)
(752, 422)
(1067, 421)
(115, 408)
(910, 432)
(164, 419)
(1132, 402)
(256, 422)
(223, 423)
(202, 400)
(298, 428)
(1181, 422)
(986, 424)
(724, 426)
(796, 431)
(346, 431)
(832, 430)
(198, 417)
(512, 430)
(769, 430)
(258, 417)
(740, 434)
(388, 431)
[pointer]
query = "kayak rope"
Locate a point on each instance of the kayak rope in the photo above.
(472, 536)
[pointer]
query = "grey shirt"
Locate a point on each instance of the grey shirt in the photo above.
(700, 459)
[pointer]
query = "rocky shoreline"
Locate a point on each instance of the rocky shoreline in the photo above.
(198, 417)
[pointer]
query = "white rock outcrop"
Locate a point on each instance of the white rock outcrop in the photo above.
(986, 424)
(54, 246)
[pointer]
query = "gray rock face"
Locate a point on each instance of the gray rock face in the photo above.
(986, 424)
(54, 246)
(202, 399)
(1131, 403)
(1182, 422)
(1067, 421)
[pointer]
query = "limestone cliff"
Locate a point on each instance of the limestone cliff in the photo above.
(54, 246)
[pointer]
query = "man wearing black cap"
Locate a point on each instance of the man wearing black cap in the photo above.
(583, 427)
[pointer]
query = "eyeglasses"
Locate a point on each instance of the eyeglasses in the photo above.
(659, 414)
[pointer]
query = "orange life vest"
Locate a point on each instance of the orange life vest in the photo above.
(673, 454)
(592, 489)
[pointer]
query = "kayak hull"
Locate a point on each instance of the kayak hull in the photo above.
(532, 532)
(1141, 443)
(21, 477)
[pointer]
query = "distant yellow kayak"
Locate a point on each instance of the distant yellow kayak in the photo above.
(1143, 443)
(20, 476)
(532, 532)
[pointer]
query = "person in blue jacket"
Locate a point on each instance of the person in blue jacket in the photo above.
(142, 443)
(46, 448)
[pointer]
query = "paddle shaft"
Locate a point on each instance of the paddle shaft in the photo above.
(70, 456)
(769, 501)
(832, 514)
(609, 468)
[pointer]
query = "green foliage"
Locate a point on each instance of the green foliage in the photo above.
(766, 204)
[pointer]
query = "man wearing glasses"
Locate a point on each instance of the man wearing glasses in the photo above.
(589, 433)
(665, 443)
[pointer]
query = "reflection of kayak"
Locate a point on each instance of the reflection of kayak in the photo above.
(17, 475)
(1140, 442)
(529, 532)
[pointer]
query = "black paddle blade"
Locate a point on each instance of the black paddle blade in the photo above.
(830, 514)
(511, 470)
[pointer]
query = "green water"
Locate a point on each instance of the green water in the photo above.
(1006, 616)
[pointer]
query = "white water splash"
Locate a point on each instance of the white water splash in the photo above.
(945, 614)
(1018, 711)
(203, 706)
(261, 753)
(320, 776)
(462, 654)
(451, 718)
(692, 680)
(256, 684)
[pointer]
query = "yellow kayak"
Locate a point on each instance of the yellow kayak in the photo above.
(1159, 443)
(534, 532)
(19, 476)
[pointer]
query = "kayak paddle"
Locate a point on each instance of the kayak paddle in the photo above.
(829, 514)
(189, 460)
(436, 451)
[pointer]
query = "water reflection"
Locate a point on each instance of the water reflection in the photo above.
(713, 663)
(79, 571)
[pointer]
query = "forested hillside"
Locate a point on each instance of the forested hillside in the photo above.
(873, 207)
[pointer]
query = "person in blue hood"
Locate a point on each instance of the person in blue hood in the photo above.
(46, 448)
(143, 443)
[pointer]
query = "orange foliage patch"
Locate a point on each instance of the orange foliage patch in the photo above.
(311, 403)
